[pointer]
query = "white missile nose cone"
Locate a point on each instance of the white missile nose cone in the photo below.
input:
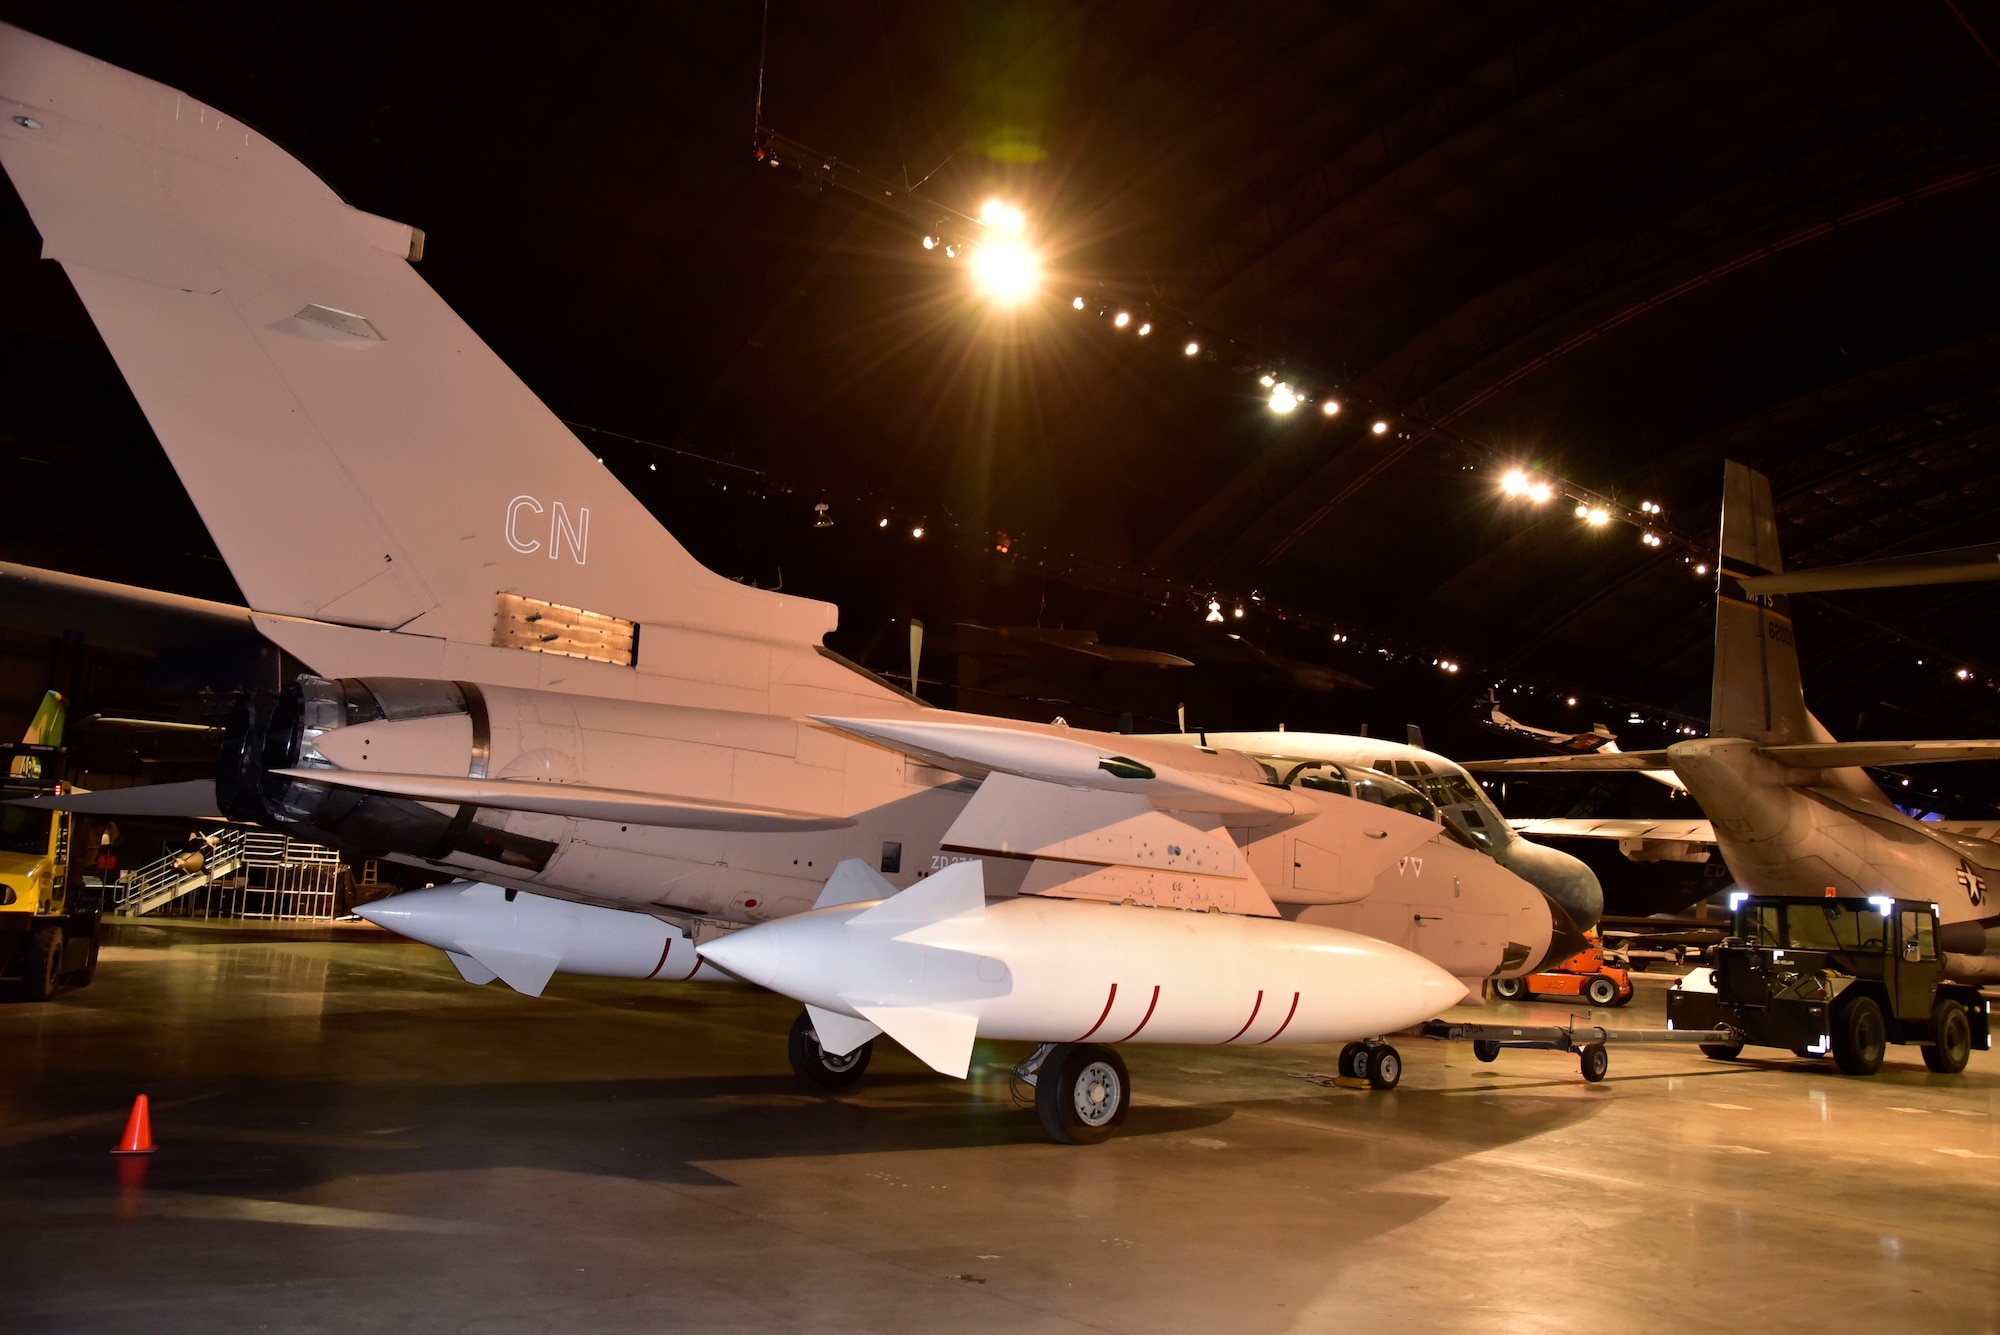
(370, 913)
(755, 954)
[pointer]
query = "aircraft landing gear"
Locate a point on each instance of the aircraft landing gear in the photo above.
(820, 1068)
(1374, 1061)
(1081, 1091)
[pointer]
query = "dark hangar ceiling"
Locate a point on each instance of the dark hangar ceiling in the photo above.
(1621, 242)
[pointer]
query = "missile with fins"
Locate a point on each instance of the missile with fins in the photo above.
(936, 967)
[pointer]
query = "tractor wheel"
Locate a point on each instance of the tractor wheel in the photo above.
(1510, 989)
(41, 964)
(1860, 1037)
(1953, 1029)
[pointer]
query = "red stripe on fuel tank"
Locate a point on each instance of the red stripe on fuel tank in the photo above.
(1252, 1020)
(694, 968)
(1149, 1015)
(665, 951)
(1281, 1028)
(1102, 1018)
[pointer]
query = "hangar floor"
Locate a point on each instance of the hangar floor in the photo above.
(350, 1138)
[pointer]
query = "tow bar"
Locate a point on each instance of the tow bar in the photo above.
(1587, 1041)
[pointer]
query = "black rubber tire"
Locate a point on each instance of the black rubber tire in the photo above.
(1953, 1046)
(1510, 989)
(1357, 1062)
(1486, 1049)
(84, 976)
(811, 1063)
(1722, 1052)
(1385, 1066)
(1346, 1065)
(1594, 1061)
(1808, 1054)
(1081, 1093)
(1860, 1037)
(1601, 991)
(41, 964)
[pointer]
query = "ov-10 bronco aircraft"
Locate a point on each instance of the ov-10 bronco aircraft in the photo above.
(632, 766)
(1793, 811)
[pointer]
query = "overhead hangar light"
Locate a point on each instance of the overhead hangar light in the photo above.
(930, 243)
(998, 213)
(1191, 349)
(1006, 269)
(1513, 482)
(1122, 319)
(1330, 407)
(1267, 380)
(1145, 329)
(1283, 399)
(1380, 428)
(1214, 611)
(1077, 304)
(1597, 516)
(1540, 492)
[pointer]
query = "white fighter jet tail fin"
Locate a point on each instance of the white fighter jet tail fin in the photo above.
(358, 454)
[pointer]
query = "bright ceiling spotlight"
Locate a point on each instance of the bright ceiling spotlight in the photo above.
(1570, 701)
(1330, 407)
(1582, 512)
(1540, 492)
(1077, 304)
(1006, 270)
(883, 524)
(1122, 319)
(1380, 428)
(1267, 380)
(1283, 400)
(1214, 611)
(1650, 539)
(999, 214)
(1965, 674)
(930, 243)
(1239, 609)
(1513, 482)
(1598, 517)
(1145, 329)
(1701, 570)
(951, 252)
(917, 532)
(1191, 349)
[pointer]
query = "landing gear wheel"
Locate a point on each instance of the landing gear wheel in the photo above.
(1722, 1052)
(820, 1068)
(1510, 989)
(1081, 1093)
(41, 964)
(1953, 1048)
(1486, 1049)
(1594, 1061)
(1385, 1066)
(1348, 1066)
(1860, 1037)
(1601, 991)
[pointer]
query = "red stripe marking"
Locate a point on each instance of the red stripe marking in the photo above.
(665, 951)
(1149, 1015)
(694, 968)
(1252, 1020)
(1288, 1019)
(1100, 1019)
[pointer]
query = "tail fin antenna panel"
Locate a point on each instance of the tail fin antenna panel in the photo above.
(1757, 693)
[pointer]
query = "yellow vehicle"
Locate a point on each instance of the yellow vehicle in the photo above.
(48, 924)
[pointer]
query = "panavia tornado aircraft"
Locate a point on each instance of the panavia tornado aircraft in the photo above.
(1792, 810)
(632, 765)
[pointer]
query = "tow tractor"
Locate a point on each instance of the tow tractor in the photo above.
(1587, 974)
(1841, 977)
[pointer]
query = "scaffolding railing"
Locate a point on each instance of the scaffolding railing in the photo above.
(235, 873)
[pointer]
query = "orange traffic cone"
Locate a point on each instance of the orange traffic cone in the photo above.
(138, 1138)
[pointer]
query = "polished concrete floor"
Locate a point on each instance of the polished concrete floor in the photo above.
(352, 1139)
